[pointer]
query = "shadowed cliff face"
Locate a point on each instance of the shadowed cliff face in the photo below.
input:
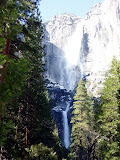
(60, 98)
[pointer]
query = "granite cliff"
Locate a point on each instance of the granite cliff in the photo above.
(78, 48)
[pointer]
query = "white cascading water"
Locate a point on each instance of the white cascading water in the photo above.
(73, 59)
(73, 45)
(72, 55)
(66, 128)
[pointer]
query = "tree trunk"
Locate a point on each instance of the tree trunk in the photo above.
(7, 47)
(94, 152)
(27, 112)
(18, 120)
(26, 141)
(91, 149)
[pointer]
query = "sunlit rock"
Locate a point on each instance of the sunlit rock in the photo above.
(77, 47)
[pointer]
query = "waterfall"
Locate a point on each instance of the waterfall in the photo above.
(66, 128)
(73, 45)
(73, 68)
(65, 68)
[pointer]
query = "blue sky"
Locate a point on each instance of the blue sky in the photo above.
(50, 8)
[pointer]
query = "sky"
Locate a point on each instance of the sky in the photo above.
(50, 8)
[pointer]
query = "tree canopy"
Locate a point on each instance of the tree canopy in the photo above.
(24, 122)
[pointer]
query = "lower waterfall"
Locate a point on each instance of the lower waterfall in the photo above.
(66, 128)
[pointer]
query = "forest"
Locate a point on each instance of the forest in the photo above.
(27, 129)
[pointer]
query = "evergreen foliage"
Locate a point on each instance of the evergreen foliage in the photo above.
(24, 104)
(83, 135)
(15, 76)
(109, 116)
(27, 130)
(41, 152)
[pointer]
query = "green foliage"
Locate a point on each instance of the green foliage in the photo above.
(24, 99)
(15, 75)
(2, 61)
(34, 101)
(4, 130)
(9, 26)
(83, 135)
(41, 152)
(108, 116)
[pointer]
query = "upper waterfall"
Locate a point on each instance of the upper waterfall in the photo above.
(72, 46)
(78, 47)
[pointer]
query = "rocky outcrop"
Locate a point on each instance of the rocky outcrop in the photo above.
(60, 27)
(59, 99)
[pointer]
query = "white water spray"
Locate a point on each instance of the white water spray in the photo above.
(74, 69)
(66, 128)
(73, 45)
(74, 63)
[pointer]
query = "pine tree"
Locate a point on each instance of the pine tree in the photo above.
(36, 110)
(28, 109)
(12, 14)
(11, 88)
(109, 116)
(13, 71)
(41, 152)
(83, 136)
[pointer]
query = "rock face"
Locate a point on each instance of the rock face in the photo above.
(60, 98)
(57, 31)
(78, 47)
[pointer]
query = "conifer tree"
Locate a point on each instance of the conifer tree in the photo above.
(28, 110)
(83, 135)
(109, 116)
(12, 71)
(36, 111)
(11, 89)
(13, 15)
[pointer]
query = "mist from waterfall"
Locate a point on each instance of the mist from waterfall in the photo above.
(66, 128)
(72, 46)
(65, 64)
(65, 70)
(74, 70)
(74, 64)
